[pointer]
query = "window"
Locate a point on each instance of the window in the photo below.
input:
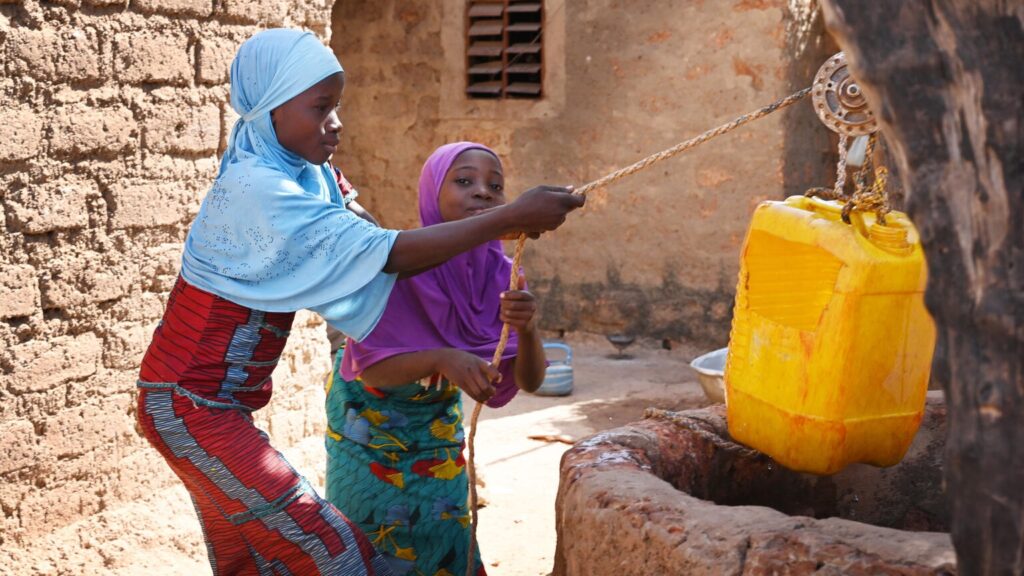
(503, 48)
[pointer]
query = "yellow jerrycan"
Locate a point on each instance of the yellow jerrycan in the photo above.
(831, 344)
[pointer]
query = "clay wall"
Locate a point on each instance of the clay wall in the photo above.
(112, 114)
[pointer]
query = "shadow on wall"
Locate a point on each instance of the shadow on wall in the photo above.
(669, 310)
(810, 148)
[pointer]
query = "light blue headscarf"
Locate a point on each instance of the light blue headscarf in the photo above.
(272, 233)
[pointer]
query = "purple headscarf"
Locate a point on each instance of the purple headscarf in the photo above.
(454, 305)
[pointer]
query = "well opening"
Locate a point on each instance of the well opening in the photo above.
(907, 496)
(674, 494)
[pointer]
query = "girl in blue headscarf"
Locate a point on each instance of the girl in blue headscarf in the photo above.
(273, 237)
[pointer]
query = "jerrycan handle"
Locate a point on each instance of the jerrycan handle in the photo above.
(830, 209)
(893, 238)
(560, 346)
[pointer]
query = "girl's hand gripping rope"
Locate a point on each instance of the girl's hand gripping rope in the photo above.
(519, 307)
(468, 372)
(542, 209)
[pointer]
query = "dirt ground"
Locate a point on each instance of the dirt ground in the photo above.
(517, 525)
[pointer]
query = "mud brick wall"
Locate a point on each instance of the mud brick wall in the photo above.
(111, 117)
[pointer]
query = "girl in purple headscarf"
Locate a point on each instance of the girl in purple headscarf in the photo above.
(395, 437)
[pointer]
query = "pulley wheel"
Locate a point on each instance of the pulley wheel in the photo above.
(839, 101)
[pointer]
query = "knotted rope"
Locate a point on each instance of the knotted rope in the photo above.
(866, 197)
(584, 190)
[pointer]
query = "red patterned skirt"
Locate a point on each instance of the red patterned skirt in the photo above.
(207, 368)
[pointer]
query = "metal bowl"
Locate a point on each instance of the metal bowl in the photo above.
(710, 370)
(558, 376)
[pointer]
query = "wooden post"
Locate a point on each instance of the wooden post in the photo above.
(946, 80)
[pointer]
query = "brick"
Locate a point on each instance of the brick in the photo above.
(67, 56)
(105, 382)
(184, 7)
(228, 118)
(18, 444)
(77, 431)
(11, 496)
(9, 240)
(46, 510)
(54, 205)
(83, 129)
(142, 473)
(146, 204)
(175, 168)
(33, 406)
(86, 278)
(287, 428)
(21, 132)
(255, 11)
(180, 128)
(206, 171)
(215, 56)
(315, 16)
(44, 364)
(161, 265)
(143, 307)
(19, 291)
(90, 464)
(125, 345)
(151, 57)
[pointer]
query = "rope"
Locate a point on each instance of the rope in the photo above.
(584, 190)
(837, 192)
(692, 142)
(471, 467)
(861, 177)
(872, 198)
(513, 283)
(840, 191)
(866, 197)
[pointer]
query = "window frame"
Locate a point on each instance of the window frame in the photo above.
(507, 83)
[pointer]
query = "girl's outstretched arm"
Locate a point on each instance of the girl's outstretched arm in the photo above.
(539, 209)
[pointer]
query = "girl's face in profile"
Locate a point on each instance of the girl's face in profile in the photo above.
(308, 124)
(474, 183)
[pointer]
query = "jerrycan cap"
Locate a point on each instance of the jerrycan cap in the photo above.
(891, 237)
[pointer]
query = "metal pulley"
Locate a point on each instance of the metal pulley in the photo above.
(839, 100)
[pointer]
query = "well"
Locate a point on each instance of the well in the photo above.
(673, 494)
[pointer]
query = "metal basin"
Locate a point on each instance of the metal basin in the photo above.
(710, 370)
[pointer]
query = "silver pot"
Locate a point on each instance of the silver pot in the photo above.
(710, 370)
